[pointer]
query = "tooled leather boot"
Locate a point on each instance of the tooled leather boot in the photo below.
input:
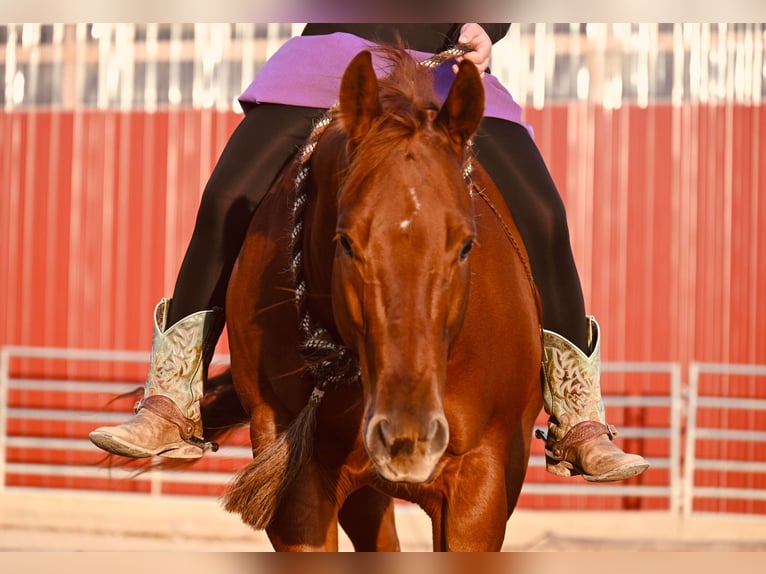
(167, 420)
(579, 441)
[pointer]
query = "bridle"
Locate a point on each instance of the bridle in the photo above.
(327, 360)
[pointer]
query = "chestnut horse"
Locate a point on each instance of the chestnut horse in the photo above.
(410, 367)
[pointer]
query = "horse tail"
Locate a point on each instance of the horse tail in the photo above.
(221, 410)
(256, 491)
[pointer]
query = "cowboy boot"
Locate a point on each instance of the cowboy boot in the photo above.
(167, 420)
(579, 441)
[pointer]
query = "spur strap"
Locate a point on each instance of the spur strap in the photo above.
(165, 408)
(577, 436)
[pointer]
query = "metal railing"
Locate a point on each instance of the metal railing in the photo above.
(680, 489)
(154, 477)
(701, 399)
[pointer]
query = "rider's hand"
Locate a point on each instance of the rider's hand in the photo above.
(475, 35)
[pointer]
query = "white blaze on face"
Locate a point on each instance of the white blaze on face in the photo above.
(415, 201)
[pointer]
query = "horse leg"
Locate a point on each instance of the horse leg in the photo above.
(473, 513)
(307, 518)
(518, 454)
(367, 516)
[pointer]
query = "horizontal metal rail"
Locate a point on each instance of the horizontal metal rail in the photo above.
(87, 471)
(67, 354)
(84, 445)
(729, 434)
(748, 466)
(538, 461)
(594, 489)
(722, 492)
(732, 403)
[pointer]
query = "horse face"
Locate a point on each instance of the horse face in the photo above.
(401, 272)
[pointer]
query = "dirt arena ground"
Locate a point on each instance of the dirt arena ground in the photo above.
(34, 521)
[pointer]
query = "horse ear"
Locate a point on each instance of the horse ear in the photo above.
(359, 103)
(464, 107)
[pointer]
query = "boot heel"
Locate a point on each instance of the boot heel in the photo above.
(560, 467)
(182, 450)
(556, 467)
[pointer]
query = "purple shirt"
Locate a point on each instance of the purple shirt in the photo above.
(306, 71)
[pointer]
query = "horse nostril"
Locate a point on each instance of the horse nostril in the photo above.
(382, 428)
(433, 428)
(438, 434)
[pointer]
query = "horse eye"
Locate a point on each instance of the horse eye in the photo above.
(345, 245)
(466, 249)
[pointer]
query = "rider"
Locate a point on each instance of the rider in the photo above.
(279, 117)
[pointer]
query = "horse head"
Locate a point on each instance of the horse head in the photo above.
(403, 238)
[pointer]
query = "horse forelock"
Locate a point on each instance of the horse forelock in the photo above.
(409, 105)
(407, 88)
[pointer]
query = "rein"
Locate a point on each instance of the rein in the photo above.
(328, 361)
(517, 248)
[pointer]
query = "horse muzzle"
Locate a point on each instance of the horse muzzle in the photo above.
(404, 451)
